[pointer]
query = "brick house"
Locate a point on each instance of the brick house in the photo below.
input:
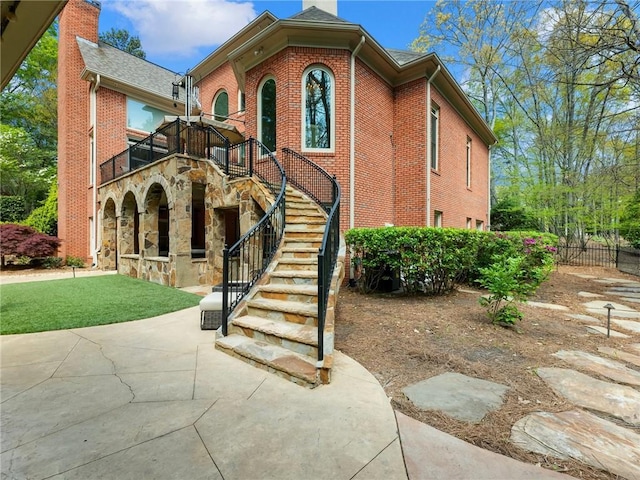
(245, 171)
(377, 135)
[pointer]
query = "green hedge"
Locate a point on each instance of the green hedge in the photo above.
(432, 260)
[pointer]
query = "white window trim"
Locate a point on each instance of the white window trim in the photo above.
(469, 162)
(303, 123)
(437, 218)
(435, 155)
(213, 104)
(259, 98)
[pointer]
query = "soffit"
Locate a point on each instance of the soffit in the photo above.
(23, 23)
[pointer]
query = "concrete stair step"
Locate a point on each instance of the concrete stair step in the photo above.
(309, 263)
(297, 368)
(303, 228)
(298, 252)
(284, 310)
(297, 293)
(299, 277)
(292, 332)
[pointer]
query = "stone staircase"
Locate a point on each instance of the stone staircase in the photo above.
(276, 326)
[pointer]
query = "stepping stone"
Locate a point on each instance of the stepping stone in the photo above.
(459, 396)
(549, 306)
(635, 346)
(599, 306)
(629, 325)
(582, 436)
(628, 299)
(583, 275)
(625, 293)
(584, 318)
(624, 281)
(602, 366)
(603, 331)
(616, 400)
(589, 295)
(620, 355)
(606, 281)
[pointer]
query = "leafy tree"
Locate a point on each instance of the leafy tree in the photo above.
(24, 241)
(45, 217)
(11, 208)
(630, 221)
(121, 39)
(508, 215)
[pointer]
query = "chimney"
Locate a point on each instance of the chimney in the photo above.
(330, 6)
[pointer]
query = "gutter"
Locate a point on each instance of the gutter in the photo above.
(94, 167)
(429, 144)
(352, 140)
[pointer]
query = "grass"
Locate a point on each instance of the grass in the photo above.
(85, 302)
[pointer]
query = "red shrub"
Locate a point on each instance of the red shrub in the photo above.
(24, 241)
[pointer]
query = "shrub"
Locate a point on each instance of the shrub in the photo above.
(11, 208)
(51, 262)
(45, 217)
(429, 260)
(72, 261)
(21, 240)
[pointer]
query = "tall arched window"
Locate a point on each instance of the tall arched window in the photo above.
(318, 121)
(221, 106)
(267, 114)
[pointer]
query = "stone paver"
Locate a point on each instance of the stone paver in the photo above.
(607, 368)
(616, 400)
(635, 346)
(628, 325)
(459, 396)
(589, 295)
(582, 436)
(548, 306)
(603, 331)
(621, 355)
(584, 318)
(629, 293)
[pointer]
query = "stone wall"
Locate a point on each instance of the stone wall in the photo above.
(169, 183)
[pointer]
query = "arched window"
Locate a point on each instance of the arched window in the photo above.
(221, 106)
(267, 114)
(318, 122)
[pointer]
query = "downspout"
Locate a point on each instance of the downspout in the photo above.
(352, 145)
(352, 140)
(94, 159)
(429, 145)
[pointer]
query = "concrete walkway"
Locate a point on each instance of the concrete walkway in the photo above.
(153, 399)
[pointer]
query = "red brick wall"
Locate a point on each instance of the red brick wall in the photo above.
(77, 18)
(221, 79)
(410, 137)
(449, 192)
(374, 153)
(111, 119)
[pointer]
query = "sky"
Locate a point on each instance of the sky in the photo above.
(178, 34)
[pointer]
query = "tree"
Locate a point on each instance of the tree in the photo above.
(508, 215)
(21, 240)
(630, 221)
(45, 218)
(121, 39)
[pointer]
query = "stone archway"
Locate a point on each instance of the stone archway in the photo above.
(129, 225)
(109, 248)
(156, 222)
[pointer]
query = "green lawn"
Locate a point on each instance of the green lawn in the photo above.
(84, 302)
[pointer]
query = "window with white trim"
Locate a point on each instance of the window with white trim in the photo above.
(437, 218)
(435, 128)
(468, 162)
(318, 112)
(267, 113)
(479, 225)
(221, 106)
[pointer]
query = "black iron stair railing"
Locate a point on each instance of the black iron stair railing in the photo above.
(245, 261)
(324, 189)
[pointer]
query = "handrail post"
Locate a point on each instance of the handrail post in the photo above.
(150, 159)
(226, 155)
(225, 290)
(177, 125)
(322, 305)
(251, 157)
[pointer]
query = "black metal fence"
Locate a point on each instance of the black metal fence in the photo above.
(325, 191)
(625, 259)
(246, 260)
(177, 137)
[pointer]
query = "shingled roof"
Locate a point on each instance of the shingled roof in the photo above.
(115, 64)
(316, 14)
(404, 56)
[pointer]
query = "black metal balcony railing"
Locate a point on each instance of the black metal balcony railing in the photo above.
(325, 191)
(246, 260)
(177, 137)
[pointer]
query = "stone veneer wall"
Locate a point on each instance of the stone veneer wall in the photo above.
(175, 175)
